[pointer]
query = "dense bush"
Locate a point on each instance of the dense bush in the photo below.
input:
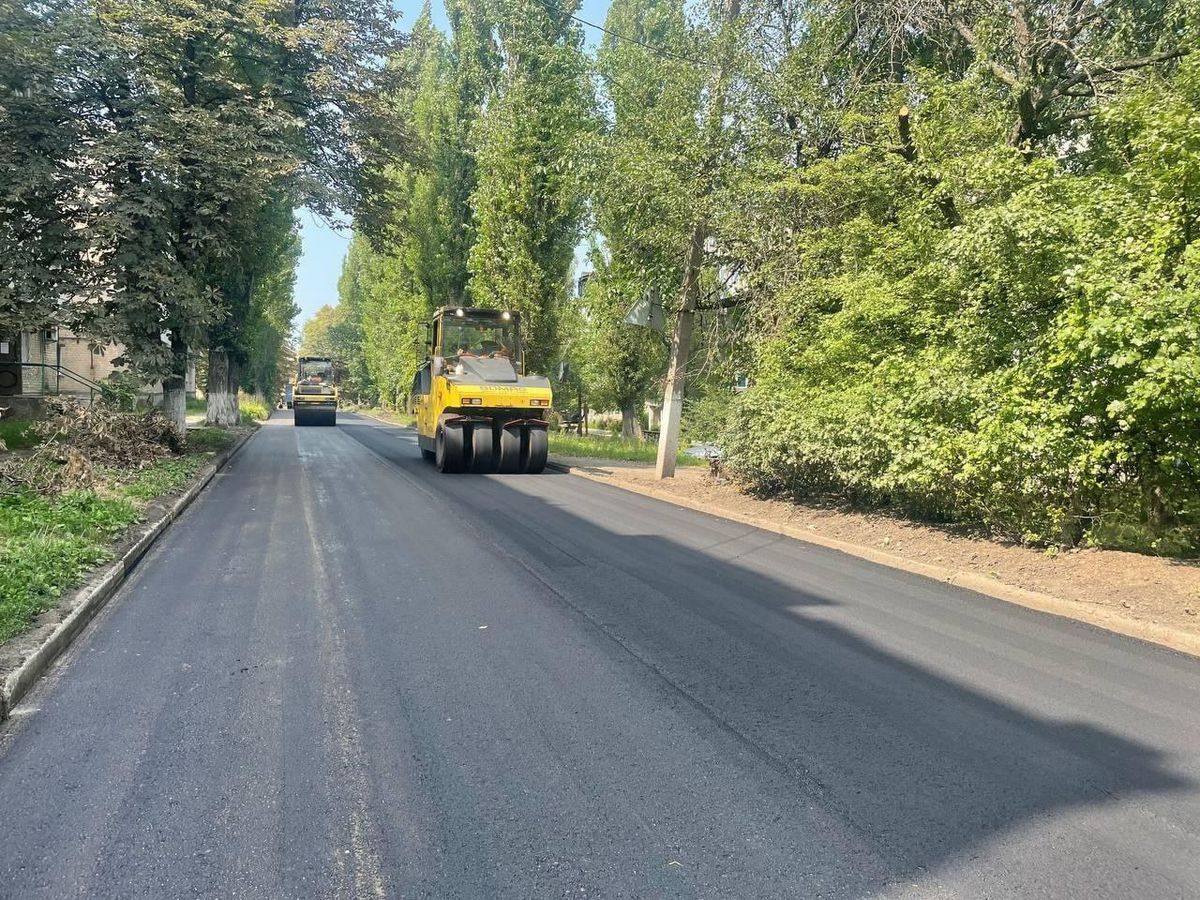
(952, 245)
(121, 390)
(253, 409)
(1035, 368)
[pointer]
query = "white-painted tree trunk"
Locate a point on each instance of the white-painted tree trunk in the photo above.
(681, 349)
(175, 404)
(175, 389)
(222, 394)
(631, 423)
(681, 340)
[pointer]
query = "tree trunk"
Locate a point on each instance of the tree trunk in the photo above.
(175, 388)
(631, 423)
(681, 340)
(222, 393)
(681, 350)
(175, 404)
(1154, 507)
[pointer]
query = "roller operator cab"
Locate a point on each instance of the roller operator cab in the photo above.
(477, 410)
(314, 395)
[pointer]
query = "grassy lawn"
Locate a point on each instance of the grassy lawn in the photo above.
(594, 446)
(16, 434)
(208, 439)
(253, 410)
(611, 448)
(391, 415)
(47, 544)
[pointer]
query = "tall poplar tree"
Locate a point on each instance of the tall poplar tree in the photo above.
(530, 200)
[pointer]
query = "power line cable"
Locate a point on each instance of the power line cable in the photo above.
(661, 51)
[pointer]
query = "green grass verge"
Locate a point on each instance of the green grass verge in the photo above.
(253, 410)
(47, 544)
(611, 448)
(391, 415)
(165, 477)
(17, 434)
(593, 446)
(200, 440)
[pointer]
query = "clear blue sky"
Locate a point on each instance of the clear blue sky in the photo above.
(325, 246)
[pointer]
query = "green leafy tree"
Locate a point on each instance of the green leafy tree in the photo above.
(529, 202)
(43, 129)
(165, 126)
(317, 335)
(254, 284)
(965, 311)
(621, 364)
(270, 358)
(346, 336)
(645, 165)
(334, 331)
(392, 313)
(423, 262)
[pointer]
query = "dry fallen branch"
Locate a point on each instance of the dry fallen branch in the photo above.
(77, 438)
(107, 436)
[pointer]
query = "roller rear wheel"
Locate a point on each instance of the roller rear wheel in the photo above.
(449, 453)
(510, 450)
(314, 417)
(481, 448)
(537, 449)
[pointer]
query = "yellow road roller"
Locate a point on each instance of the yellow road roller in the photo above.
(476, 409)
(314, 395)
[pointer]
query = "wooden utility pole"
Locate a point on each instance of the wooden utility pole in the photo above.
(681, 340)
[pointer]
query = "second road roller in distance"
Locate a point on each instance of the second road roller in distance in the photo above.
(314, 396)
(477, 410)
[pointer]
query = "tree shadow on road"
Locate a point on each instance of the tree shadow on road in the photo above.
(917, 742)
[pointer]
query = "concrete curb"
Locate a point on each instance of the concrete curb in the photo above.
(91, 598)
(1163, 635)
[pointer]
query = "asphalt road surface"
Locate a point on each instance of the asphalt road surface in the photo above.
(341, 674)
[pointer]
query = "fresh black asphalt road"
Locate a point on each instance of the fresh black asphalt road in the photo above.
(341, 674)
